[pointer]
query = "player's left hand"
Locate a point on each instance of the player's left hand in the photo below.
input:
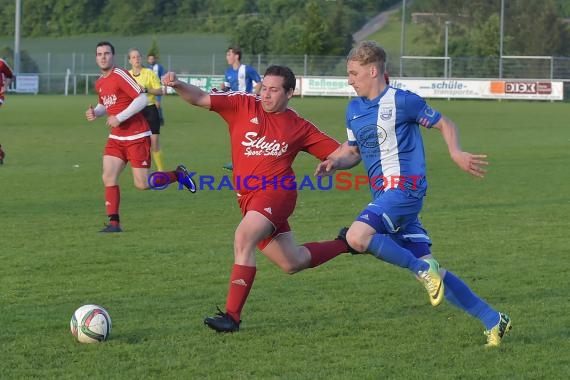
(473, 164)
(112, 121)
(325, 168)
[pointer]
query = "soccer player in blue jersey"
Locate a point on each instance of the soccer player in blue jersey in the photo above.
(239, 77)
(383, 131)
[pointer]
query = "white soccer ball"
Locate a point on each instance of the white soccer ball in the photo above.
(90, 324)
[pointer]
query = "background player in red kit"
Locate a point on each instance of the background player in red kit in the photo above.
(6, 77)
(266, 136)
(122, 99)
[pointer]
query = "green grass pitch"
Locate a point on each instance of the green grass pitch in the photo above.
(353, 318)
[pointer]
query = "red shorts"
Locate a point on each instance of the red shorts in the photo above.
(275, 205)
(137, 152)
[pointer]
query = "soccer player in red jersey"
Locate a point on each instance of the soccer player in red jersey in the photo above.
(266, 136)
(122, 99)
(6, 77)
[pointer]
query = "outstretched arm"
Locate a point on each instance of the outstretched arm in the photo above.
(190, 93)
(344, 157)
(471, 163)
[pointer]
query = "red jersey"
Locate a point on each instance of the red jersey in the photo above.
(5, 72)
(116, 92)
(264, 144)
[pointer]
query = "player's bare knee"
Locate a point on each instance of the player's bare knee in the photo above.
(141, 185)
(297, 265)
(242, 257)
(242, 245)
(356, 241)
(239, 242)
(296, 262)
(109, 180)
(290, 268)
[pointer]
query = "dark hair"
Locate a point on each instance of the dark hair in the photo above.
(289, 80)
(236, 49)
(106, 43)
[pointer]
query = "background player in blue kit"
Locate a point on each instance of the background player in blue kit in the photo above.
(239, 77)
(383, 131)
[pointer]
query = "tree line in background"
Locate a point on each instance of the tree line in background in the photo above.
(531, 27)
(295, 27)
(321, 27)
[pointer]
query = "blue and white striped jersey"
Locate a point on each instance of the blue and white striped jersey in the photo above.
(386, 131)
(241, 79)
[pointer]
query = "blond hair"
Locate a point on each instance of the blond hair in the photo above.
(368, 52)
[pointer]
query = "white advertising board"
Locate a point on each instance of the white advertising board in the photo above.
(28, 84)
(444, 88)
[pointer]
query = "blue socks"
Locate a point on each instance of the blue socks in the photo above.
(459, 294)
(456, 291)
(386, 249)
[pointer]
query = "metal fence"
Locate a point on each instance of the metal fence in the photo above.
(53, 67)
(509, 67)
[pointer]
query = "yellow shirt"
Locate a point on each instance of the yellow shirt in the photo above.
(147, 79)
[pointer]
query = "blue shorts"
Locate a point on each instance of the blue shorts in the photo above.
(395, 212)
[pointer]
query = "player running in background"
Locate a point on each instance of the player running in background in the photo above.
(383, 131)
(122, 99)
(265, 136)
(158, 69)
(2, 155)
(239, 77)
(6, 77)
(150, 83)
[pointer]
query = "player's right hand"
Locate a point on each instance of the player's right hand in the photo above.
(90, 113)
(169, 79)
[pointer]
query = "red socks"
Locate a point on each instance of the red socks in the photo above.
(166, 178)
(172, 177)
(242, 276)
(241, 282)
(112, 201)
(323, 251)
